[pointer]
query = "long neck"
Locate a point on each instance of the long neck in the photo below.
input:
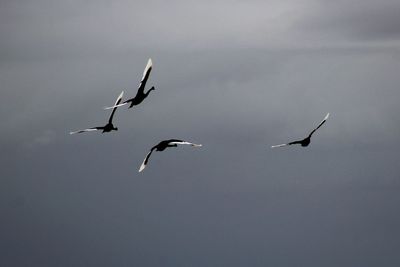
(148, 92)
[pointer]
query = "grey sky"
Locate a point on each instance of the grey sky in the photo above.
(235, 76)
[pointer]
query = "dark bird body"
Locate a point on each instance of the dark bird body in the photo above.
(162, 146)
(140, 96)
(306, 141)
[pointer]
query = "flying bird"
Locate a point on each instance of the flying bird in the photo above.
(109, 126)
(162, 146)
(140, 95)
(306, 141)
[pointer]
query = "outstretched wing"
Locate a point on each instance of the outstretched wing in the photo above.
(279, 145)
(288, 144)
(181, 142)
(115, 108)
(146, 159)
(146, 74)
(322, 122)
(88, 130)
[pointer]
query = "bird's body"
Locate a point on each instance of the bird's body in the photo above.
(162, 146)
(109, 126)
(140, 95)
(306, 141)
(166, 143)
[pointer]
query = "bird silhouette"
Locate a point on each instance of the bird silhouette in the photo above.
(306, 141)
(162, 146)
(109, 126)
(140, 95)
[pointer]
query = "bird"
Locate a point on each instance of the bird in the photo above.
(109, 126)
(140, 95)
(162, 146)
(306, 141)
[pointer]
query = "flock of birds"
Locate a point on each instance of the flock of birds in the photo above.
(141, 95)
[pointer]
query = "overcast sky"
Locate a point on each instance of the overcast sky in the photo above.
(235, 76)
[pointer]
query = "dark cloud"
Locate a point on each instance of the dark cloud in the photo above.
(236, 77)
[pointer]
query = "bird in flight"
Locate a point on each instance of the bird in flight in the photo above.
(306, 141)
(140, 95)
(162, 146)
(109, 126)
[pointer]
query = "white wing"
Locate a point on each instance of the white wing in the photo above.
(142, 167)
(119, 98)
(148, 66)
(185, 143)
(279, 145)
(326, 117)
(116, 106)
(86, 130)
(144, 163)
(320, 124)
(117, 101)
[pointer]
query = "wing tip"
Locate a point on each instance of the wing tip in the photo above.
(118, 99)
(148, 65)
(142, 167)
(278, 145)
(327, 116)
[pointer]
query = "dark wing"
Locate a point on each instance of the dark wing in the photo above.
(88, 130)
(146, 159)
(145, 77)
(295, 142)
(322, 122)
(115, 108)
